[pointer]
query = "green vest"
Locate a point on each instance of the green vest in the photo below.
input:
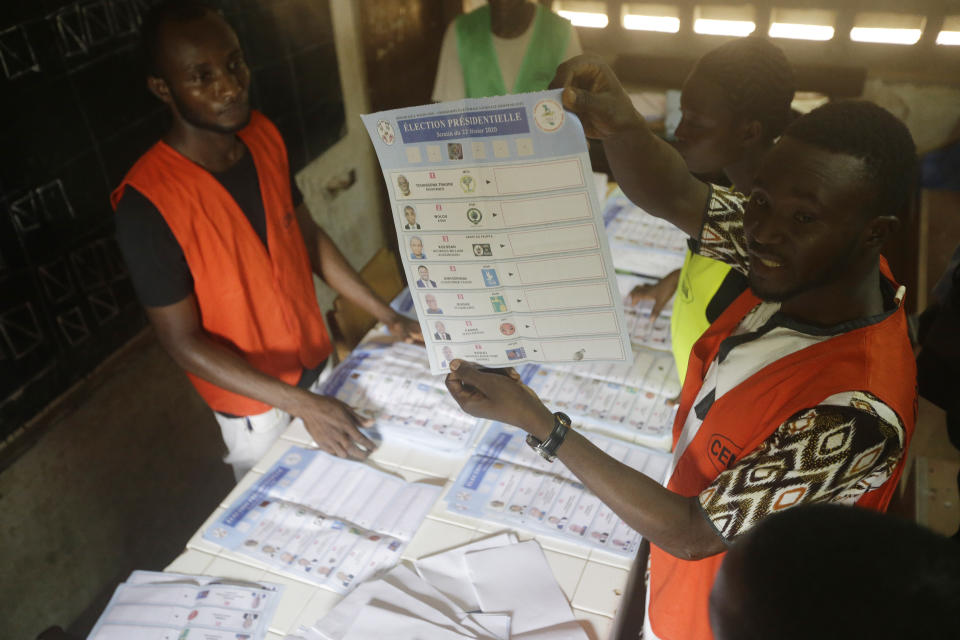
(700, 279)
(481, 71)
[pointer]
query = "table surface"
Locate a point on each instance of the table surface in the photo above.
(593, 580)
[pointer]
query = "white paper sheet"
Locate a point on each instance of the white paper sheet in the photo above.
(517, 579)
(447, 571)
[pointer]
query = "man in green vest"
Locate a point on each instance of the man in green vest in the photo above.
(506, 46)
(735, 103)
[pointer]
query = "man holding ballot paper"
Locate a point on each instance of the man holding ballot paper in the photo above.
(802, 391)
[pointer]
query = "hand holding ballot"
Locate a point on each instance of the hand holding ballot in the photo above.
(494, 396)
(593, 92)
(649, 170)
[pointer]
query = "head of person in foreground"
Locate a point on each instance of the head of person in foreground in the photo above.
(825, 199)
(830, 571)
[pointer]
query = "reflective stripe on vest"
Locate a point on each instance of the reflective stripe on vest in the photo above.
(700, 278)
(259, 303)
(876, 358)
(478, 58)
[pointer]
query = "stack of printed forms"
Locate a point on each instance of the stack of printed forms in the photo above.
(392, 384)
(491, 589)
(633, 401)
(152, 605)
(639, 242)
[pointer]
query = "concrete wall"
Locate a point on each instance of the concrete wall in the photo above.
(354, 216)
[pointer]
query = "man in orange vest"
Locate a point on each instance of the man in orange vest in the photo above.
(802, 391)
(221, 248)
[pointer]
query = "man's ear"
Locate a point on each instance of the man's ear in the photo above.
(880, 229)
(158, 87)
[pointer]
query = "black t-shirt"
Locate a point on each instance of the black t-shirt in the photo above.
(158, 268)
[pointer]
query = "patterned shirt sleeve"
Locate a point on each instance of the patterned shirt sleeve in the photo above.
(721, 237)
(834, 452)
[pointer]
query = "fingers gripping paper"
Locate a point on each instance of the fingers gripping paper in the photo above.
(500, 231)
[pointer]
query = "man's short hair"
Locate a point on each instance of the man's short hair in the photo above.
(756, 79)
(842, 572)
(869, 132)
(170, 11)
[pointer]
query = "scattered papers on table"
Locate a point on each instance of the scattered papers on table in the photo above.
(162, 606)
(500, 229)
(639, 242)
(634, 402)
(392, 384)
(507, 482)
(643, 331)
(323, 519)
(500, 575)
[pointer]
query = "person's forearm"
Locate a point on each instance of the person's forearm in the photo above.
(218, 365)
(672, 522)
(654, 176)
(344, 279)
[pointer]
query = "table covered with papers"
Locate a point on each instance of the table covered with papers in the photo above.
(442, 489)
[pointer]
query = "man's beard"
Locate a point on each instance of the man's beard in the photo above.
(197, 121)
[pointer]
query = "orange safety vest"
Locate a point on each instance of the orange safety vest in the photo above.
(260, 304)
(876, 358)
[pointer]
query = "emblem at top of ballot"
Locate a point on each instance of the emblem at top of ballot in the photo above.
(548, 114)
(385, 131)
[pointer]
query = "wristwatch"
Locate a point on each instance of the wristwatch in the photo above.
(548, 448)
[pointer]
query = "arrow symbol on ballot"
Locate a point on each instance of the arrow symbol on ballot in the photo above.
(488, 182)
(494, 215)
(509, 274)
(527, 326)
(519, 300)
(502, 246)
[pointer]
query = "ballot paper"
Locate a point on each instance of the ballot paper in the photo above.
(392, 384)
(501, 232)
(447, 570)
(323, 519)
(635, 402)
(401, 605)
(639, 242)
(158, 606)
(644, 330)
(507, 482)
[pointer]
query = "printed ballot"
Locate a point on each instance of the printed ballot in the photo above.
(167, 606)
(324, 520)
(500, 231)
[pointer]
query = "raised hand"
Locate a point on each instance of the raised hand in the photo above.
(593, 93)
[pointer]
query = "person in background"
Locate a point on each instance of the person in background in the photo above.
(222, 250)
(735, 103)
(938, 360)
(804, 389)
(505, 46)
(824, 571)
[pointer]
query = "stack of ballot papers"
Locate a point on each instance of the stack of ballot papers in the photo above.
(507, 482)
(392, 384)
(492, 589)
(635, 401)
(643, 329)
(323, 519)
(162, 606)
(639, 242)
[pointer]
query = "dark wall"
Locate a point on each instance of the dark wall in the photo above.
(401, 43)
(74, 115)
